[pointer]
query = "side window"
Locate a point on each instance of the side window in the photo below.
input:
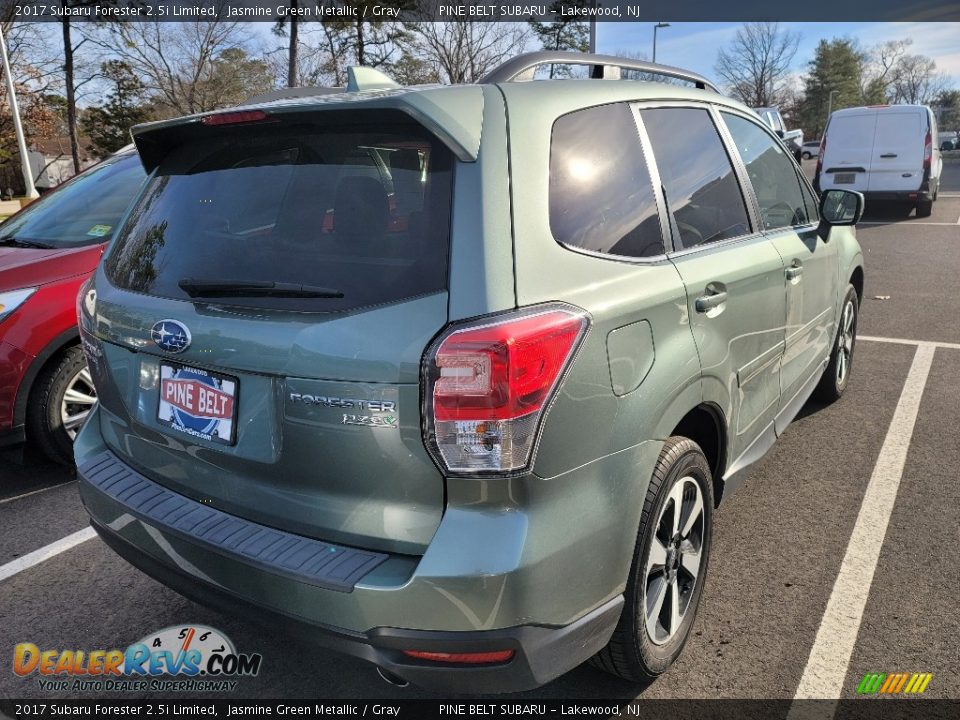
(772, 174)
(601, 195)
(701, 189)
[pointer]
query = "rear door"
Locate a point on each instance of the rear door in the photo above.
(733, 275)
(264, 314)
(897, 162)
(849, 150)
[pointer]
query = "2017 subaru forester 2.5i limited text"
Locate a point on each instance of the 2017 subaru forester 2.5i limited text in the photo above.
(453, 378)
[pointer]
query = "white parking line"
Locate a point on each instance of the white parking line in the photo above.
(45, 553)
(829, 658)
(903, 341)
(34, 492)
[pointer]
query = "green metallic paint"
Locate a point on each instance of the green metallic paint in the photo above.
(544, 548)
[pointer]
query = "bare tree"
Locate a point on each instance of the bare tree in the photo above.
(879, 68)
(192, 67)
(757, 64)
(916, 80)
(464, 52)
(324, 51)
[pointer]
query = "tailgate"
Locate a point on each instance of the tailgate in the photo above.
(263, 316)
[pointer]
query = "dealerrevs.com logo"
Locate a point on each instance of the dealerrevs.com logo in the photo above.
(190, 658)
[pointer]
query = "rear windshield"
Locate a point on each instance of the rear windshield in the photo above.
(293, 216)
(83, 211)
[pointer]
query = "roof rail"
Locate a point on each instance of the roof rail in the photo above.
(604, 67)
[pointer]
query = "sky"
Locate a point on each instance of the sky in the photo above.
(694, 46)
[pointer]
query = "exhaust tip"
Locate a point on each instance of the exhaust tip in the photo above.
(392, 679)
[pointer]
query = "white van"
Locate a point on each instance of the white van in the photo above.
(886, 152)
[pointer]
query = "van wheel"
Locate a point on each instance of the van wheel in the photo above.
(924, 208)
(837, 375)
(806, 155)
(669, 566)
(59, 405)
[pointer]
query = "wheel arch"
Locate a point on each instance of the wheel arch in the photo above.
(856, 279)
(706, 426)
(50, 354)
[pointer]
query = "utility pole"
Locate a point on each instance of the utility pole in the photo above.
(17, 127)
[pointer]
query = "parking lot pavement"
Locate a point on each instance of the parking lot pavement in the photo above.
(780, 542)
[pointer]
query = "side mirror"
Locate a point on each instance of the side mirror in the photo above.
(780, 134)
(840, 208)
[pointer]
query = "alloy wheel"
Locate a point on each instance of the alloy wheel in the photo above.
(674, 561)
(845, 343)
(78, 400)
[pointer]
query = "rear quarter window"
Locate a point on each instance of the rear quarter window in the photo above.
(601, 194)
(361, 210)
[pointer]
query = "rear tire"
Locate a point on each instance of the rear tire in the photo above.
(806, 155)
(837, 375)
(669, 567)
(924, 209)
(59, 404)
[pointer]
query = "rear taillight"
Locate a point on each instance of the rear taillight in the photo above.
(488, 383)
(927, 151)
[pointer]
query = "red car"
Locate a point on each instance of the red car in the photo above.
(47, 251)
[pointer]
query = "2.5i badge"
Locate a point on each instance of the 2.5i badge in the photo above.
(198, 403)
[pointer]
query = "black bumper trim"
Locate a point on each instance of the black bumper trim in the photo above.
(303, 559)
(898, 196)
(541, 653)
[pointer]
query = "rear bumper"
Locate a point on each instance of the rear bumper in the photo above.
(540, 653)
(491, 579)
(900, 196)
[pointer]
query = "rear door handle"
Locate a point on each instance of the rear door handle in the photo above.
(794, 272)
(889, 155)
(705, 303)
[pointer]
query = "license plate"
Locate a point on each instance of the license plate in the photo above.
(845, 178)
(198, 402)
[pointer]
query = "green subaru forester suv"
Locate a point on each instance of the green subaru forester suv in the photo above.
(452, 379)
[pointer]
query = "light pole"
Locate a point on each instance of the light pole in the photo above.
(830, 103)
(17, 127)
(593, 28)
(655, 28)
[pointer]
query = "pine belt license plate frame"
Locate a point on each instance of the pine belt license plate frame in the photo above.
(176, 414)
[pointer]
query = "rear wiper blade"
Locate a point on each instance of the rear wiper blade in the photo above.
(12, 241)
(247, 288)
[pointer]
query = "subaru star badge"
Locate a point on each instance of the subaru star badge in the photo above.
(170, 335)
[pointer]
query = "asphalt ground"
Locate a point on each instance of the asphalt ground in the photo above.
(780, 543)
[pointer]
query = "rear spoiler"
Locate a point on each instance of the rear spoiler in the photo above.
(453, 114)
